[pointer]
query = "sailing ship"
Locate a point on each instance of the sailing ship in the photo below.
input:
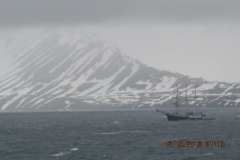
(193, 115)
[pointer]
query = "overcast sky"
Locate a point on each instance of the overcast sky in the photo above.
(199, 38)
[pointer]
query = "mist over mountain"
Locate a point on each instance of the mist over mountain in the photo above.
(76, 70)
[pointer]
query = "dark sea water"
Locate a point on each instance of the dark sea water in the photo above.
(120, 135)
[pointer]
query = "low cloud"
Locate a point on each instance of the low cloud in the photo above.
(15, 13)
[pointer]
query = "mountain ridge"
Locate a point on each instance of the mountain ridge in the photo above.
(75, 70)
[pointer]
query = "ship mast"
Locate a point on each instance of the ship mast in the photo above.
(195, 98)
(176, 103)
(186, 99)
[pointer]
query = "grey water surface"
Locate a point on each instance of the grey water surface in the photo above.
(120, 135)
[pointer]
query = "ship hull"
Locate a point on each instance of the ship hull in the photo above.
(172, 117)
(177, 117)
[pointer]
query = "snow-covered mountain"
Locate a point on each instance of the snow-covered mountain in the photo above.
(68, 70)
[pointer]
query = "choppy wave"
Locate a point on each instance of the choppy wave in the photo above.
(119, 132)
(74, 149)
(65, 153)
(61, 154)
(208, 154)
(138, 135)
(107, 133)
(116, 122)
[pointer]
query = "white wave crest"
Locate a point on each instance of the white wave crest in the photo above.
(65, 153)
(208, 154)
(60, 154)
(74, 149)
